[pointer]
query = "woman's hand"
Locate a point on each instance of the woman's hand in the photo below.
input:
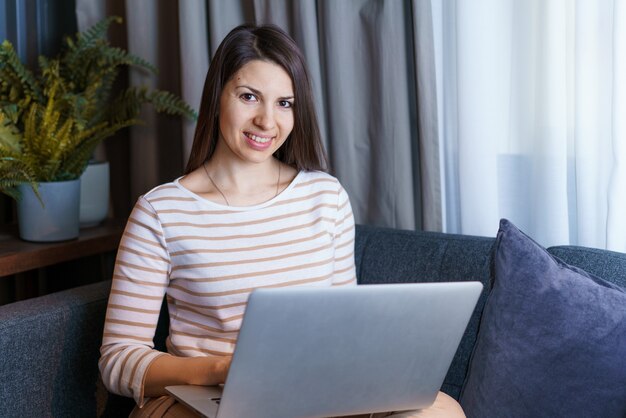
(168, 370)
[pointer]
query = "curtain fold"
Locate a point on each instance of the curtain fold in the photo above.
(194, 61)
(616, 221)
(428, 160)
(368, 107)
(142, 27)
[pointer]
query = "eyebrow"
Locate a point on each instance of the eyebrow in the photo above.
(258, 92)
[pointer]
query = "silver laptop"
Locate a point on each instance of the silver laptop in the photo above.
(320, 352)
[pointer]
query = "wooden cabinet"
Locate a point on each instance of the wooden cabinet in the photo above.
(29, 263)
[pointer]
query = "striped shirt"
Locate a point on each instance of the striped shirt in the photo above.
(206, 258)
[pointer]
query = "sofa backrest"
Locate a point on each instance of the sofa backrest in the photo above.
(385, 255)
(608, 265)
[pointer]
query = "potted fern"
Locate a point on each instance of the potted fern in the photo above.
(52, 120)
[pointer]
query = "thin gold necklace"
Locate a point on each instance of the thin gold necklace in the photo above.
(222, 193)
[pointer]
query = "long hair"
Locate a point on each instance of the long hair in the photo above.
(303, 148)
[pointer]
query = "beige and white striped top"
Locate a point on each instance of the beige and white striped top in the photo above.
(207, 258)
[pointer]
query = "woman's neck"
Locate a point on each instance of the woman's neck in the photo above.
(244, 178)
(230, 180)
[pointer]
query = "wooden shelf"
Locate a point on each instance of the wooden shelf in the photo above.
(17, 256)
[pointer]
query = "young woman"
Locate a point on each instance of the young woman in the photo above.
(254, 209)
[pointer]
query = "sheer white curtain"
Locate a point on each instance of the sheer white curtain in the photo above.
(531, 102)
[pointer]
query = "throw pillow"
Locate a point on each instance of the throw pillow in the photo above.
(552, 339)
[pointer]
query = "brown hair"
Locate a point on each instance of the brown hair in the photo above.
(303, 148)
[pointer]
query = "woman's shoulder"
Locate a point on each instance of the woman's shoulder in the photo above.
(165, 191)
(318, 178)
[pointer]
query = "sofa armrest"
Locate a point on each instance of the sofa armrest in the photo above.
(50, 349)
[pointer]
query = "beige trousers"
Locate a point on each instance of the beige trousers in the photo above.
(168, 407)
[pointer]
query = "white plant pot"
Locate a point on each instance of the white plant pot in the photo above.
(94, 194)
(57, 220)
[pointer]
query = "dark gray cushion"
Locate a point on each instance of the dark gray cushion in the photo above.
(551, 341)
(384, 255)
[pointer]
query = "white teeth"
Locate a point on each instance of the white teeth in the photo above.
(258, 138)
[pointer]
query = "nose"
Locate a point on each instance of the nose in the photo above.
(264, 118)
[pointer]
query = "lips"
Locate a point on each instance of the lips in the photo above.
(257, 138)
(258, 141)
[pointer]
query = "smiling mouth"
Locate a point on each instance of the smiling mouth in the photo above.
(259, 139)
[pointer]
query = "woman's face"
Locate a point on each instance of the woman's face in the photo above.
(256, 111)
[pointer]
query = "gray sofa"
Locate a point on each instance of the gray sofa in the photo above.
(49, 345)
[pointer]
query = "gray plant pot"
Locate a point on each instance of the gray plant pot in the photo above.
(94, 194)
(57, 220)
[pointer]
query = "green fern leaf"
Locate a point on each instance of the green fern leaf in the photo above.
(97, 31)
(10, 137)
(13, 69)
(164, 101)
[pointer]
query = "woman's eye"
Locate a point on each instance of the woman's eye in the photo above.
(285, 103)
(248, 97)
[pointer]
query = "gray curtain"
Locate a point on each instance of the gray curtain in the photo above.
(372, 65)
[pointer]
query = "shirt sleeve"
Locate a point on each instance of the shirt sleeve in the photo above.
(344, 273)
(140, 279)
